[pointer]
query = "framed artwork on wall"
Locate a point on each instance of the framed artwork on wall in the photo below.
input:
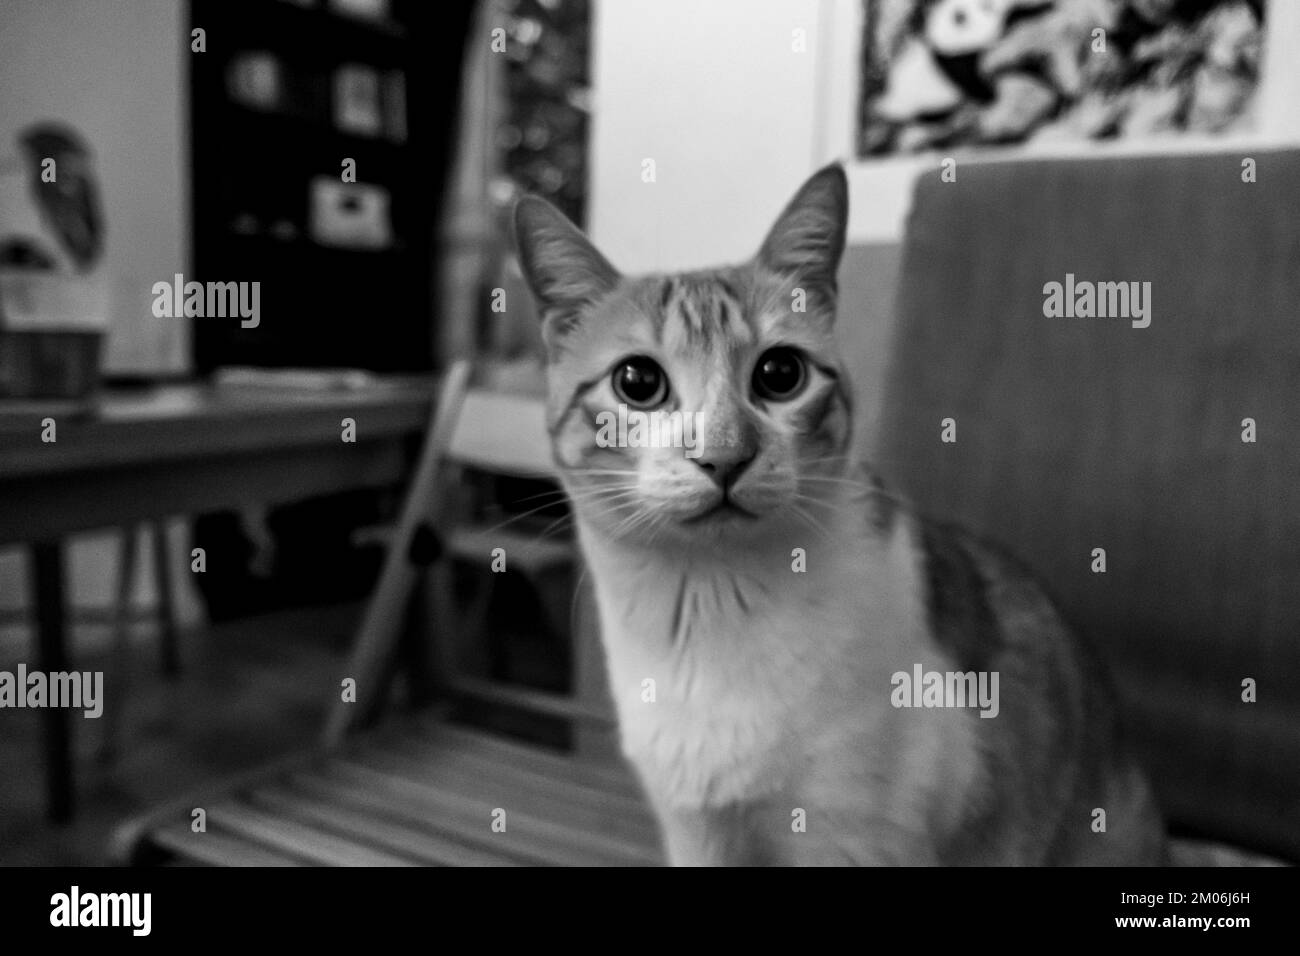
(909, 83)
(940, 74)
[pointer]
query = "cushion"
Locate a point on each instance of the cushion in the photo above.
(1083, 433)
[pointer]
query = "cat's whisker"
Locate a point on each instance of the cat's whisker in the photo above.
(833, 480)
(519, 517)
(802, 517)
(555, 527)
(608, 486)
(808, 518)
(871, 491)
(591, 489)
(633, 523)
(617, 498)
(558, 494)
(604, 494)
(837, 459)
(577, 596)
(619, 511)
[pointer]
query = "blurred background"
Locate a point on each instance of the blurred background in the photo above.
(204, 530)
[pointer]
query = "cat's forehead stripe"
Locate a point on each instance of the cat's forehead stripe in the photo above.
(698, 312)
(667, 292)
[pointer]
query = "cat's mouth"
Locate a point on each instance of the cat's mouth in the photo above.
(724, 510)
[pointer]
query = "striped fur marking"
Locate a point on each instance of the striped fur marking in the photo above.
(961, 619)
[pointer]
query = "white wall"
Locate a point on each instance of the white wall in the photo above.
(734, 119)
(116, 71)
(714, 94)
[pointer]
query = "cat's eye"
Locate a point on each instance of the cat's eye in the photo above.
(780, 374)
(640, 382)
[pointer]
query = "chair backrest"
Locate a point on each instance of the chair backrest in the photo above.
(1075, 434)
(503, 433)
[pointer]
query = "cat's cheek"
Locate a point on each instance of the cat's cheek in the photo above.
(765, 493)
(831, 439)
(817, 438)
(577, 445)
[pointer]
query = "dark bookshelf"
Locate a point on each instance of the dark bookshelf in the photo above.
(253, 167)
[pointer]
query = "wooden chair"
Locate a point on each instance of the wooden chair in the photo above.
(419, 789)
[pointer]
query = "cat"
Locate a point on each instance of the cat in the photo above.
(759, 595)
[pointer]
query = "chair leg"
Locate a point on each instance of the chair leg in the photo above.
(437, 592)
(555, 592)
(120, 671)
(169, 642)
(590, 681)
(485, 652)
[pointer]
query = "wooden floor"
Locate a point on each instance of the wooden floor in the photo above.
(250, 692)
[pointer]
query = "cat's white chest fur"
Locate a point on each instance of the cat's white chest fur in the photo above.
(725, 672)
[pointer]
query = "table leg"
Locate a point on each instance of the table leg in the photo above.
(47, 575)
(168, 638)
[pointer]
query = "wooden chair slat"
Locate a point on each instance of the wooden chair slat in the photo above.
(454, 816)
(604, 830)
(437, 843)
(215, 848)
(364, 824)
(469, 815)
(308, 842)
(542, 795)
(616, 777)
(564, 774)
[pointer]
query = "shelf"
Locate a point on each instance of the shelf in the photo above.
(303, 245)
(318, 290)
(319, 16)
(299, 125)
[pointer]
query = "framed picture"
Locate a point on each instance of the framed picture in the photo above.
(909, 83)
(942, 74)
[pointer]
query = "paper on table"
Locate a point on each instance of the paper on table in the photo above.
(311, 379)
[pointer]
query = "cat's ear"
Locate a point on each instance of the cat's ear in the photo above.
(564, 270)
(808, 238)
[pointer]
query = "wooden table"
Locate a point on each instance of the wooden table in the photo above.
(179, 450)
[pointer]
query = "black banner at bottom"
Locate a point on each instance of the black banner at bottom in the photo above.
(190, 905)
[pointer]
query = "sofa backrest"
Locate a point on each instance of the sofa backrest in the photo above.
(1077, 433)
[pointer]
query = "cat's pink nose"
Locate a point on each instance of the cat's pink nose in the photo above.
(726, 466)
